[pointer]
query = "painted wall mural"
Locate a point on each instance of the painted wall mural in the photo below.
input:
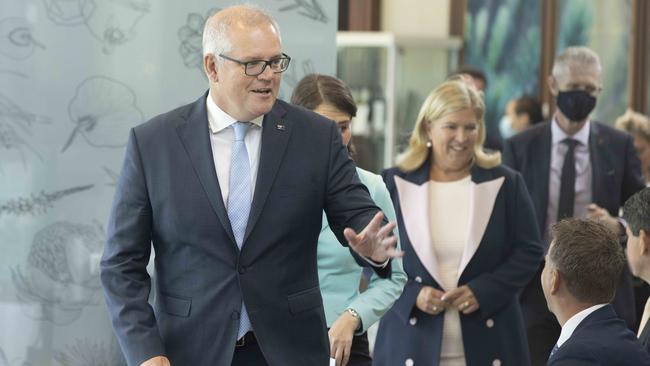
(75, 76)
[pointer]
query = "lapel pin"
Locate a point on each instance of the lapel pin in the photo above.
(281, 127)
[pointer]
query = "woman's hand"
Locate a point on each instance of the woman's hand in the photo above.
(341, 334)
(463, 299)
(429, 301)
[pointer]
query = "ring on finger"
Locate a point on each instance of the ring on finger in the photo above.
(434, 309)
(464, 305)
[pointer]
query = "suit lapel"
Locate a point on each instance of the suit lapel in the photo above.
(483, 197)
(413, 193)
(542, 160)
(414, 203)
(195, 137)
(275, 135)
(601, 169)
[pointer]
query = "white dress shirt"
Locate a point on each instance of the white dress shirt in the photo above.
(583, 173)
(573, 322)
(221, 138)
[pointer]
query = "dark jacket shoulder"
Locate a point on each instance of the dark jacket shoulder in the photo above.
(530, 133)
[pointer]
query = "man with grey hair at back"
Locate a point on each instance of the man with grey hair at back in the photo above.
(229, 191)
(573, 167)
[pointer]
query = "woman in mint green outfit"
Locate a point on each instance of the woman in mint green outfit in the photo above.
(348, 313)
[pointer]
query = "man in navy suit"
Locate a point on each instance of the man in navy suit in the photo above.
(230, 191)
(573, 167)
(636, 213)
(592, 333)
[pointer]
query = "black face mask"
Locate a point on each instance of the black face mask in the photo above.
(575, 104)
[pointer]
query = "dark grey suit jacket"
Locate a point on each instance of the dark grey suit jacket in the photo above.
(616, 169)
(168, 195)
(601, 339)
(616, 175)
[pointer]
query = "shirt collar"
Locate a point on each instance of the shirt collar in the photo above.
(573, 322)
(558, 134)
(219, 120)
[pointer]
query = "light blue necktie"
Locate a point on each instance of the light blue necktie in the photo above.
(239, 201)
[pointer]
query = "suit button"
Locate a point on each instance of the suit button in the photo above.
(409, 362)
(413, 321)
(418, 279)
(241, 270)
(234, 315)
(489, 323)
(496, 362)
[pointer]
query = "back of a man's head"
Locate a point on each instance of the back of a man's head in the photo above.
(636, 212)
(589, 259)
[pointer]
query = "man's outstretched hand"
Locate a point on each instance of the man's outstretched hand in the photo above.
(375, 241)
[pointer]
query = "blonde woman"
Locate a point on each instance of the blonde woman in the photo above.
(638, 125)
(471, 243)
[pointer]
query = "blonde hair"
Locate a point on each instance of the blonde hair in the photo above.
(453, 95)
(635, 124)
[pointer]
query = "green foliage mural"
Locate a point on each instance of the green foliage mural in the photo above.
(502, 38)
(581, 24)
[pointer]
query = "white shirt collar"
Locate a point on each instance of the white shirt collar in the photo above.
(558, 134)
(573, 322)
(219, 120)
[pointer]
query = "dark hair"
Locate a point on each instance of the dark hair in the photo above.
(589, 258)
(637, 211)
(473, 72)
(531, 106)
(316, 89)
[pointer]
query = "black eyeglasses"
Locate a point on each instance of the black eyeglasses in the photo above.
(256, 67)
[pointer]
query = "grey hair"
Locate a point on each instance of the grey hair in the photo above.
(216, 37)
(575, 57)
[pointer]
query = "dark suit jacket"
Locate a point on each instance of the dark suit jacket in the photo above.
(601, 339)
(500, 256)
(168, 195)
(616, 175)
(644, 337)
(616, 169)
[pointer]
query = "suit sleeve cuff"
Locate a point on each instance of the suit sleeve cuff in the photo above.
(375, 264)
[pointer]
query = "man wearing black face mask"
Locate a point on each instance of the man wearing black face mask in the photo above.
(573, 167)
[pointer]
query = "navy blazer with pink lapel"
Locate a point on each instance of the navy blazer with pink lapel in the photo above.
(168, 195)
(501, 254)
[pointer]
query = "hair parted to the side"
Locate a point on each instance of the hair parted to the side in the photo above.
(451, 96)
(216, 33)
(316, 89)
(589, 258)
